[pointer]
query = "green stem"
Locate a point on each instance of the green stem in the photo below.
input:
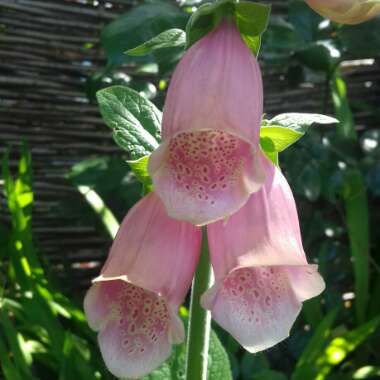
(199, 320)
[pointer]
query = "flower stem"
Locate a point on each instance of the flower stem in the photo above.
(199, 320)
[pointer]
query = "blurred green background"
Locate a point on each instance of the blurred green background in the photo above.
(64, 183)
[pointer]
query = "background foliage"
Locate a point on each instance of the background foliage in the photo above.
(334, 172)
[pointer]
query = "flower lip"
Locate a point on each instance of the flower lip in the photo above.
(136, 326)
(178, 336)
(205, 175)
(117, 280)
(154, 165)
(258, 305)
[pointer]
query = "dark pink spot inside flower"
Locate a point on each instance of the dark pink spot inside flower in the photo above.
(200, 160)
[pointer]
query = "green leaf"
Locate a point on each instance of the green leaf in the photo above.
(357, 219)
(277, 139)
(273, 156)
(299, 122)
(338, 349)
(75, 359)
(269, 375)
(40, 315)
(250, 18)
(31, 333)
(284, 130)
(321, 55)
(174, 368)
(315, 346)
(356, 201)
(342, 107)
(111, 179)
(19, 194)
(9, 370)
(218, 365)
(169, 38)
(253, 364)
(15, 340)
(319, 358)
(135, 121)
(140, 24)
(25, 199)
(109, 221)
(162, 373)
(252, 21)
(140, 169)
(206, 18)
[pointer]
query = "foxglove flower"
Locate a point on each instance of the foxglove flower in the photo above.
(209, 161)
(346, 11)
(262, 276)
(133, 304)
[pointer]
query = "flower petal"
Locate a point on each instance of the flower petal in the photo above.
(154, 252)
(261, 271)
(205, 176)
(134, 302)
(95, 307)
(264, 232)
(217, 85)
(124, 364)
(208, 163)
(257, 306)
(306, 281)
(135, 336)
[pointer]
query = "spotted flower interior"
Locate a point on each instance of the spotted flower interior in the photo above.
(133, 326)
(142, 318)
(257, 306)
(204, 164)
(205, 175)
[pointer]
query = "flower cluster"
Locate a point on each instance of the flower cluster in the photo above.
(209, 170)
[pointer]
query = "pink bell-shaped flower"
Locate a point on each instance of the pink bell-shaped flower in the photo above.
(346, 11)
(209, 161)
(261, 273)
(133, 304)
